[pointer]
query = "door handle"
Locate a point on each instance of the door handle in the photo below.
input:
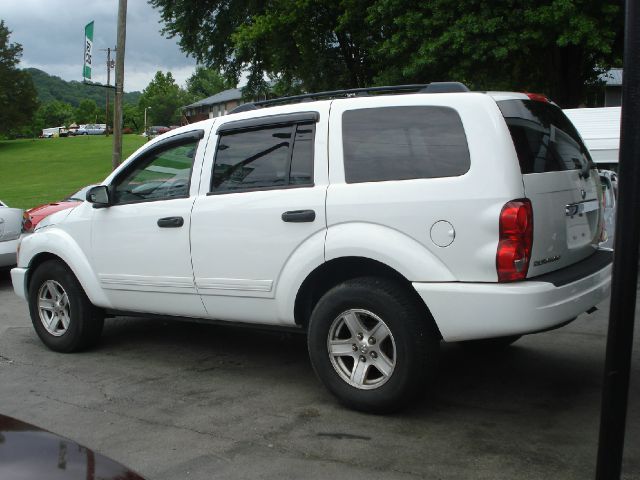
(171, 222)
(299, 216)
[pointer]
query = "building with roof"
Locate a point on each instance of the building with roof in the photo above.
(612, 87)
(213, 106)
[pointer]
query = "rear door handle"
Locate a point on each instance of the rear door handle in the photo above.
(299, 216)
(171, 222)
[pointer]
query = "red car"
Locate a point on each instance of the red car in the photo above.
(33, 216)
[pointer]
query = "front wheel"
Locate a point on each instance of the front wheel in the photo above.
(372, 344)
(62, 315)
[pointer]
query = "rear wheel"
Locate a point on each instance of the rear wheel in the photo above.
(62, 315)
(372, 345)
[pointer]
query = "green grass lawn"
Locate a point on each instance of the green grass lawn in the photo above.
(44, 170)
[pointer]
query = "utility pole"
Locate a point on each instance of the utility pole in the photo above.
(624, 282)
(110, 64)
(117, 107)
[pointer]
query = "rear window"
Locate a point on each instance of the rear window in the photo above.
(545, 139)
(402, 143)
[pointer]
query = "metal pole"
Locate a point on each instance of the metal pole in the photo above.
(146, 130)
(615, 390)
(117, 107)
(106, 120)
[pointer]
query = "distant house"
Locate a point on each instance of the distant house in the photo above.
(612, 87)
(214, 106)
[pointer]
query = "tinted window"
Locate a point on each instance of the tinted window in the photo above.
(160, 175)
(301, 172)
(400, 143)
(268, 157)
(545, 139)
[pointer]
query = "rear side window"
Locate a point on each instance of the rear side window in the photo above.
(545, 139)
(268, 157)
(402, 143)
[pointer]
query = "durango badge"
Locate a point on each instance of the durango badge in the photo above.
(544, 261)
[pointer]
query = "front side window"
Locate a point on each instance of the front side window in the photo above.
(402, 143)
(161, 175)
(268, 157)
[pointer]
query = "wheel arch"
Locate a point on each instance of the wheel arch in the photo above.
(38, 248)
(333, 272)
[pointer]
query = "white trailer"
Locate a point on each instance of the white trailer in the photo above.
(600, 130)
(51, 132)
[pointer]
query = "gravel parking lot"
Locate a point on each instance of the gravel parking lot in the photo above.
(176, 400)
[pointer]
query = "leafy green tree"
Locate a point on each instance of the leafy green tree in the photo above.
(317, 45)
(55, 114)
(557, 47)
(132, 118)
(86, 112)
(18, 99)
(206, 82)
(165, 98)
(550, 46)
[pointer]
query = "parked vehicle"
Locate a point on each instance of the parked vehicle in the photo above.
(50, 132)
(378, 224)
(31, 453)
(91, 129)
(600, 130)
(609, 181)
(157, 130)
(10, 221)
(33, 216)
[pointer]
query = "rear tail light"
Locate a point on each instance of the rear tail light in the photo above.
(516, 240)
(27, 225)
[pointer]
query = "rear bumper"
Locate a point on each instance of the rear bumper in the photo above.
(468, 311)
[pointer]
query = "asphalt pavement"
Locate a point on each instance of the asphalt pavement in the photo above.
(175, 400)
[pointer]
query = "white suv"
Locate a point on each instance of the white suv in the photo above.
(380, 224)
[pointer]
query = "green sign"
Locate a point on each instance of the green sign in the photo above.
(88, 51)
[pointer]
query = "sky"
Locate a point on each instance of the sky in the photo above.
(52, 36)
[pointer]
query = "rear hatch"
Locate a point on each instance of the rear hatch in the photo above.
(560, 180)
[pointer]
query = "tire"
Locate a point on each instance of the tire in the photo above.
(63, 325)
(487, 345)
(380, 375)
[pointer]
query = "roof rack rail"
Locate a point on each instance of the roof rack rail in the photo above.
(433, 87)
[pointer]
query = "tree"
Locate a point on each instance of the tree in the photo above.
(55, 114)
(550, 46)
(18, 98)
(86, 112)
(132, 118)
(165, 98)
(556, 47)
(318, 45)
(206, 82)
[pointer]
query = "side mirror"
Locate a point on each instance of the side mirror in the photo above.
(99, 196)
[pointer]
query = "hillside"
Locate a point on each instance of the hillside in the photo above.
(51, 88)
